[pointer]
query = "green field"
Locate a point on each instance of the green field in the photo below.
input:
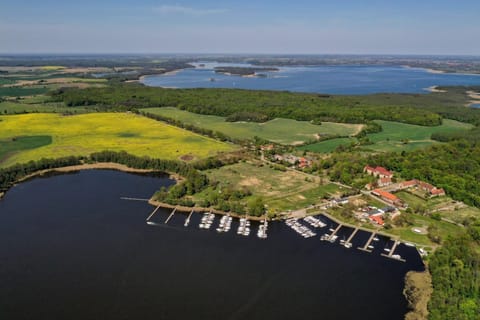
(87, 133)
(281, 191)
(284, 131)
(9, 107)
(390, 139)
(327, 146)
(22, 91)
(9, 146)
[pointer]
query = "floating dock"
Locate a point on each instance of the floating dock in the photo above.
(153, 212)
(187, 221)
(134, 199)
(392, 250)
(348, 243)
(365, 247)
(171, 215)
(332, 237)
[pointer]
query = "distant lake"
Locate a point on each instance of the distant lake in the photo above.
(321, 79)
(70, 248)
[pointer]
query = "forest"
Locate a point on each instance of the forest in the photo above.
(421, 109)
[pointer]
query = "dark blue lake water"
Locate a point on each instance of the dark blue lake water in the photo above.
(70, 248)
(321, 79)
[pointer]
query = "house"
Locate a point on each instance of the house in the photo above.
(278, 157)
(303, 163)
(383, 182)
(387, 196)
(377, 219)
(380, 172)
(437, 192)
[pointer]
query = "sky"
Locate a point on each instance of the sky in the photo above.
(246, 26)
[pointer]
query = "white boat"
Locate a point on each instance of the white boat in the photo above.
(375, 239)
(408, 244)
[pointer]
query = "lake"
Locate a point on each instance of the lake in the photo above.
(71, 248)
(321, 79)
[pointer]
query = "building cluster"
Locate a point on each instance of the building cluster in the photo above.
(384, 176)
(376, 215)
(300, 162)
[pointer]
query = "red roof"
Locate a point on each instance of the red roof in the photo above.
(410, 183)
(383, 171)
(377, 219)
(368, 168)
(386, 195)
(437, 191)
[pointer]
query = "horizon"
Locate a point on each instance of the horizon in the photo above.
(305, 27)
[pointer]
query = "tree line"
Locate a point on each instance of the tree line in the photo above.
(414, 109)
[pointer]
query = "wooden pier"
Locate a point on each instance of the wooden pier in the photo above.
(171, 215)
(365, 247)
(347, 243)
(187, 221)
(153, 212)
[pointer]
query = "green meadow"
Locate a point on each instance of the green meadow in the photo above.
(283, 131)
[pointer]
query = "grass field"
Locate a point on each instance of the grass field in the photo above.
(20, 91)
(390, 139)
(281, 191)
(284, 131)
(9, 146)
(87, 133)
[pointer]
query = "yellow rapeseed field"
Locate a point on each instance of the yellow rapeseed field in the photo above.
(87, 133)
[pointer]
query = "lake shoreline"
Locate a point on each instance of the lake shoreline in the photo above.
(89, 166)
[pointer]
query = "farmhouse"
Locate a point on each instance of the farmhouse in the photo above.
(380, 172)
(383, 182)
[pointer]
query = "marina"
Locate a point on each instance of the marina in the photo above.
(187, 221)
(225, 224)
(302, 230)
(244, 227)
(207, 220)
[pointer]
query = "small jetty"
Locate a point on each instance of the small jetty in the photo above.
(368, 247)
(348, 244)
(153, 212)
(207, 220)
(262, 230)
(134, 199)
(391, 251)
(187, 221)
(244, 227)
(225, 224)
(333, 236)
(304, 231)
(171, 215)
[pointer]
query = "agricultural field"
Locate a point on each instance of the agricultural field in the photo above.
(10, 146)
(283, 131)
(395, 136)
(327, 146)
(87, 133)
(281, 191)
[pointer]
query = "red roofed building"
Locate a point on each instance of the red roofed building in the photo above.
(377, 219)
(387, 196)
(437, 192)
(409, 184)
(380, 172)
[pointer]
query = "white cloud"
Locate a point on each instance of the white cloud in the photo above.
(176, 9)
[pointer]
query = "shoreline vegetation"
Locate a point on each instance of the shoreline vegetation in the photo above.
(418, 291)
